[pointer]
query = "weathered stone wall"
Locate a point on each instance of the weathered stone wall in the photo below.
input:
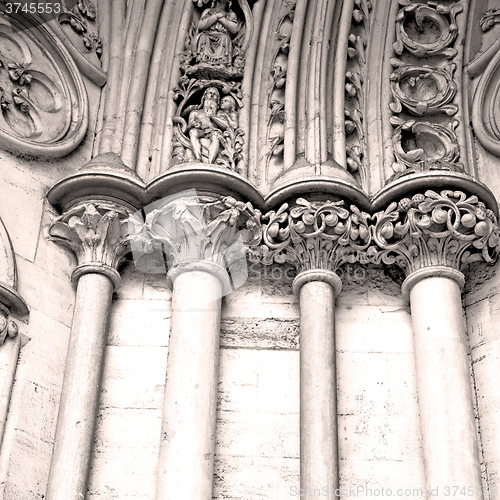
(257, 443)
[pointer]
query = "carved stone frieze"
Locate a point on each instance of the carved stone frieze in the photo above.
(423, 90)
(97, 233)
(429, 229)
(423, 146)
(425, 30)
(43, 102)
(199, 229)
(315, 235)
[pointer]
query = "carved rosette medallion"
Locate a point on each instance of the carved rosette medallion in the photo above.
(436, 229)
(196, 232)
(316, 235)
(426, 30)
(423, 146)
(98, 234)
(423, 90)
(43, 102)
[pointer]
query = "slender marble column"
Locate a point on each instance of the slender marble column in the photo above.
(199, 237)
(190, 402)
(9, 353)
(317, 237)
(97, 234)
(80, 391)
(443, 379)
(318, 387)
(431, 236)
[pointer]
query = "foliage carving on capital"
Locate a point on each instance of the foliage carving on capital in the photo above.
(97, 233)
(204, 228)
(448, 228)
(8, 327)
(315, 235)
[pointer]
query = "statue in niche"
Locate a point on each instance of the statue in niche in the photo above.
(216, 43)
(211, 134)
(213, 42)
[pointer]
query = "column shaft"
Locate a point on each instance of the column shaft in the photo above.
(318, 387)
(80, 393)
(186, 461)
(9, 352)
(444, 387)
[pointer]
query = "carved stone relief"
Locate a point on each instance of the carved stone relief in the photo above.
(356, 75)
(315, 235)
(43, 103)
(425, 33)
(436, 229)
(425, 30)
(276, 97)
(209, 94)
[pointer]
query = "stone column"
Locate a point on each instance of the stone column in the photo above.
(10, 343)
(317, 238)
(431, 236)
(201, 240)
(98, 235)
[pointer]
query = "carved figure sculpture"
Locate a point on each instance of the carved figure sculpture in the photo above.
(203, 124)
(213, 42)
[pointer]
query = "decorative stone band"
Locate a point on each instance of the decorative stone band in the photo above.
(433, 234)
(98, 234)
(206, 233)
(316, 238)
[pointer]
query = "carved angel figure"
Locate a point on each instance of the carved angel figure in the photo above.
(213, 42)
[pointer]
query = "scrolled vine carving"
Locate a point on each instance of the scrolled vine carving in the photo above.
(423, 90)
(489, 19)
(421, 146)
(425, 30)
(315, 235)
(43, 102)
(448, 228)
(97, 233)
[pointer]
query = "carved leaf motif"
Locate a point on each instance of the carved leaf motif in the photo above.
(87, 8)
(436, 229)
(315, 235)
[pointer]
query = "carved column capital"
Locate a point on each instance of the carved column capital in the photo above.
(316, 236)
(8, 327)
(207, 233)
(98, 234)
(434, 234)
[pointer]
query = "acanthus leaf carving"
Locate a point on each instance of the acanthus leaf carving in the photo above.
(8, 327)
(316, 235)
(97, 233)
(489, 19)
(436, 229)
(204, 228)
